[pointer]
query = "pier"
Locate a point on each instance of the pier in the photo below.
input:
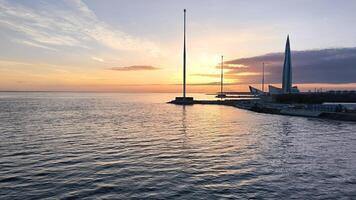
(324, 111)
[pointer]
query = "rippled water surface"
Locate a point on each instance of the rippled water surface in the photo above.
(134, 146)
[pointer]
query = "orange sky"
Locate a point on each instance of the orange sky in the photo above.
(90, 46)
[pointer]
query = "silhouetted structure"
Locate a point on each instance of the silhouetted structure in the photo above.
(184, 100)
(287, 70)
(184, 60)
(222, 76)
(263, 77)
(287, 87)
(222, 94)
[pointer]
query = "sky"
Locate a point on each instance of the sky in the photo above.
(136, 45)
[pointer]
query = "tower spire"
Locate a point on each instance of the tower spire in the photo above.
(287, 69)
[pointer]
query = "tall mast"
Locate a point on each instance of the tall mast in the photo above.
(263, 77)
(222, 75)
(184, 59)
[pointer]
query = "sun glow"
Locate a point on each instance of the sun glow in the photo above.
(204, 63)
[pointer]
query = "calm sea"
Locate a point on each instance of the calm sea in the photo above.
(135, 146)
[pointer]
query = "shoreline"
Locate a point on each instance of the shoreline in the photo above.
(275, 108)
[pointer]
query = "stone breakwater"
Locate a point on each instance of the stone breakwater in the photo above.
(335, 112)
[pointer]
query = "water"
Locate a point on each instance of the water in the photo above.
(134, 146)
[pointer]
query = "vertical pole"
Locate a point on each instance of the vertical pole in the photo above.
(184, 59)
(263, 77)
(222, 75)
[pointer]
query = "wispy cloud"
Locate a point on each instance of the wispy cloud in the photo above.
(209, 83)
(97, 59)
(231, 66)
(66, 23)
(34, 44)
(135, 68)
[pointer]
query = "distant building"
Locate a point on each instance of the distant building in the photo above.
(275, 90)
(287, 87)
(256, 91)
(287, 70)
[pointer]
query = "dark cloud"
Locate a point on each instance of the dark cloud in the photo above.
(135, 68)
(311, 66)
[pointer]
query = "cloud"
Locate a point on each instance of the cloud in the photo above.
(231, 66)
(336, 66)
(208, 83)
(66, 23)
(34, 44)
(135, 68)
(97, 59)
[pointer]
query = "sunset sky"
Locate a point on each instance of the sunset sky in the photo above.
(136, 45)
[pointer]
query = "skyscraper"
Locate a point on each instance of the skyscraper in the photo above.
(287, 70)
